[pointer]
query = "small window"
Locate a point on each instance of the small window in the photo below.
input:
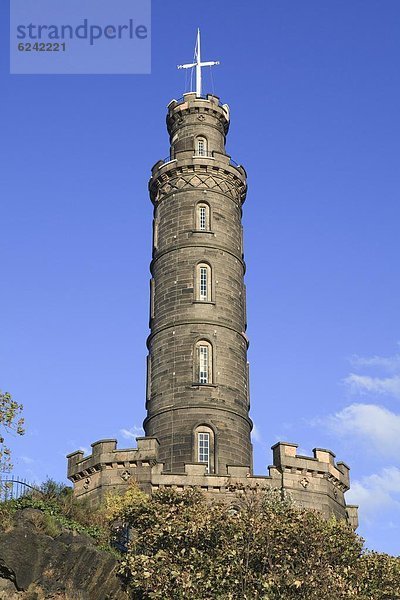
(203, 283)
(204, 449)
(201, 146)
(203, 364)
(202, 217)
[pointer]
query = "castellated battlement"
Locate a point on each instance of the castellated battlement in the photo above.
(315, 482)
(188, 110)
(323, 462)
(110, 469)
(214, 159)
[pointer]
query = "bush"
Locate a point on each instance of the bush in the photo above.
(183, 546)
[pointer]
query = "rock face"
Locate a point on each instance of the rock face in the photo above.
(35, 566)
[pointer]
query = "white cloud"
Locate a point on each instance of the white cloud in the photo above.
(372, 423)
(390, 364)
(364, 384)
(132, 433)
(385, 382)
(376, 492)
(375, 427)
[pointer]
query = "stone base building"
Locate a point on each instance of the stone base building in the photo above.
(197, 429)
(315, 482)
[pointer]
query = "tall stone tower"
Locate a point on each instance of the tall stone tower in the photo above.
(198, 388)
(198, 425)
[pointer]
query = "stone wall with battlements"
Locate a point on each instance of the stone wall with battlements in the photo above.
(110, 469)
(316, 482)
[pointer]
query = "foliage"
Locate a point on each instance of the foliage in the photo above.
(117, 504)
(378, 577)
(57, 511)
(61, 511)
(10, 421)
(6, 516)
(183, 546)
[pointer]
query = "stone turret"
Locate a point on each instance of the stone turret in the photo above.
(197, 364)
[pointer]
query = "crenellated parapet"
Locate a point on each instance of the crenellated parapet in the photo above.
(192, 111)
(315, 482)
(109, 468)
(321, 464)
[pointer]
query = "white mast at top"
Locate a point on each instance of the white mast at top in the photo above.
(198, 64)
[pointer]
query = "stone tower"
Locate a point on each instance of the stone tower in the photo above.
(197, 425)
(198, 389)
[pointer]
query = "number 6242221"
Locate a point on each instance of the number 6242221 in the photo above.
(42, 47)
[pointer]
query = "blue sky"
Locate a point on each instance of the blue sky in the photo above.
(314, 94)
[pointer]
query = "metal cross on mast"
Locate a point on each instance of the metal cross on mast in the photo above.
(198, 64)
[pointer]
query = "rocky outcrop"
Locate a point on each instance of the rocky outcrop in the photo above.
(36, 566)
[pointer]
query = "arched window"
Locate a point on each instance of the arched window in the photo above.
(203, 282)
(202, 217)
(204, 447)
(201, 146)
(203, 363)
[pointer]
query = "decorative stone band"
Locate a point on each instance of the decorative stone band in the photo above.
(179, 405)
(204, 244)
(198, 173)
(201, 321)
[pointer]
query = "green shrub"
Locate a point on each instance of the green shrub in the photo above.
(186, 547)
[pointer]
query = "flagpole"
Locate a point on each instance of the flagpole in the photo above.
(198, 65)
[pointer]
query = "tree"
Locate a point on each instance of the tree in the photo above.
(184, 546)
(10, 421)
